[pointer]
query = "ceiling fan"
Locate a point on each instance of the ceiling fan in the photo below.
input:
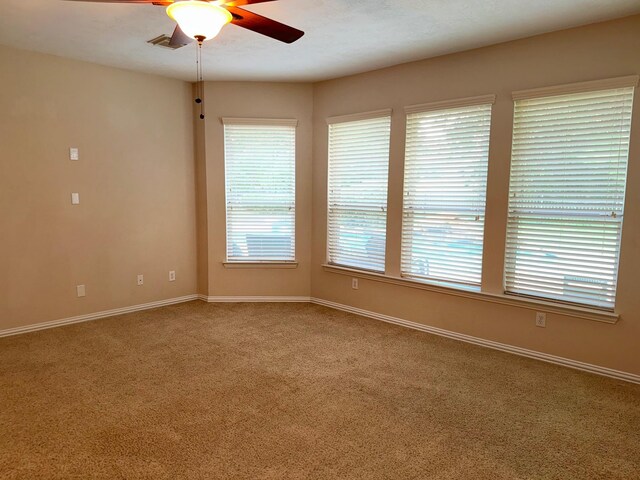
(202, 20)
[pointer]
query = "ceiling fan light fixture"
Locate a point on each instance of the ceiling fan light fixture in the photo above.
(199, 19)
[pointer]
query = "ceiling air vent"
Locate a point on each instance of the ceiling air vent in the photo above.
(163, 41)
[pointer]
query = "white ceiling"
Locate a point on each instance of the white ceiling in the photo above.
(342, 36)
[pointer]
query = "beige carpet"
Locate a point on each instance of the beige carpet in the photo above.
(291, 391)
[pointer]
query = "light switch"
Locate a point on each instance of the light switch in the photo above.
(75, 199)
(81, 291)
(74, 154)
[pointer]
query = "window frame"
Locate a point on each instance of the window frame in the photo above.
(630, 81)
(443, 106)
(350, 118)
(252, 262)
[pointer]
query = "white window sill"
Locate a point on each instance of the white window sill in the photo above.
(267, 264)
(470, 292)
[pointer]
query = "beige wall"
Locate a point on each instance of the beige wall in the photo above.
(588, 53)
(257, 100)
(202, 222)
(148, 175)
(135, 178)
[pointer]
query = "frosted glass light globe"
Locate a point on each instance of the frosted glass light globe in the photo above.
(199, 19)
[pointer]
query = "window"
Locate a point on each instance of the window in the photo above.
(357, 210)
(566, 197)
(445, 182)
(260, 189)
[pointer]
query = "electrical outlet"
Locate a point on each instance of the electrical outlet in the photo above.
(172, 276)
(541, 319)
(81, 290)
(140, 279)
(354, 283)
(74, 153)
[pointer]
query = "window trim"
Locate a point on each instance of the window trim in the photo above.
(450, 104)
(281, 122)
(569, 310)
(356, 117)
(579, 87)
(480, 100)
(629, 81)
(257, 264)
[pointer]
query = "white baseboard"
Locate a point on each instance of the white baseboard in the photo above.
(95, 316)
(545, 357)
(586, 367)
(253, 299)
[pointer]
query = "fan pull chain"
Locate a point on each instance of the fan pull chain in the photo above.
(199, 78)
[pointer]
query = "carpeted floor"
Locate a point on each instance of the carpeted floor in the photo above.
(292, 391)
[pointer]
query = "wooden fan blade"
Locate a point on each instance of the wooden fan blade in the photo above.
(265, 26)
(179, 38)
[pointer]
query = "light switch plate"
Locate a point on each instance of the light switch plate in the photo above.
(75, 199)
(81, 290)
(74, 154)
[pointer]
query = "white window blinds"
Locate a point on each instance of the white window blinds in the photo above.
(445, 183)
(566, 196)
(357, 192)
(260, 190)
